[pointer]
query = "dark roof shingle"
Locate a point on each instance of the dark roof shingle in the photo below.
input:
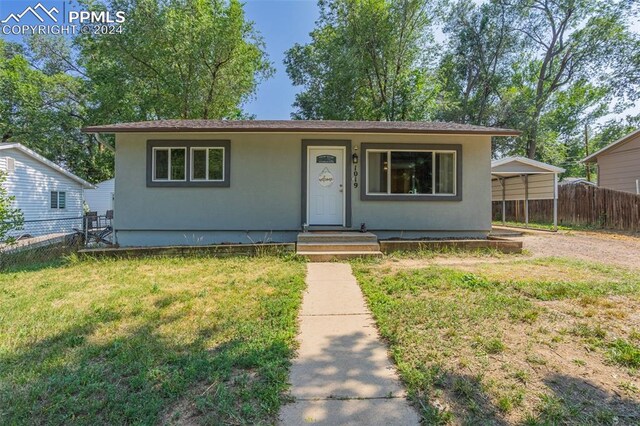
(320, 126)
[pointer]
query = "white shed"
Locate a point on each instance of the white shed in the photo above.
(49, 196)
(100, 199)
(524, 179)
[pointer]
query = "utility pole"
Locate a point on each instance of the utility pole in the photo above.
(586, 148)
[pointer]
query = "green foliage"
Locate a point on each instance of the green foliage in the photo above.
(366, 61)
(43, 105)
(174, 59)
(545, 68)
(10, 217)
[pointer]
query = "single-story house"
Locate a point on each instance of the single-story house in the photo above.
(101, 198)
(211, 181)
(49, 197)
(619, 164)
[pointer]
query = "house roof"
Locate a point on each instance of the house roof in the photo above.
(319, 126)
(593, 157)
(513, 166)
(575, 181)
(41, 159)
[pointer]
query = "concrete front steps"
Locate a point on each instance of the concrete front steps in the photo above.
(328, 246)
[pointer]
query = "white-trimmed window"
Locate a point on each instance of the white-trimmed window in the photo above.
(169, 164)
(207, 164)
(58, 200)
(394, 172)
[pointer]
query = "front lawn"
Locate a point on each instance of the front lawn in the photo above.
(507, 340)
(148, 341)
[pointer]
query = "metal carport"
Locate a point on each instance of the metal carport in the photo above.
(523, 179)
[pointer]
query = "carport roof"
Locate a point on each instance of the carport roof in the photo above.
(516, 166)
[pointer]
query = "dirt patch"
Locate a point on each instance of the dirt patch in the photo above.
(604, 248)
(607, 248)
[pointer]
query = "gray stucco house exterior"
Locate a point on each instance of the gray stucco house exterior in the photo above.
(186, 182)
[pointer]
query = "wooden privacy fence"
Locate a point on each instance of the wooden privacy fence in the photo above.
(583, 205)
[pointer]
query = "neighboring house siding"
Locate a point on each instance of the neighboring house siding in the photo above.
(620, 167)
(541, 187)
(101, 199)
(31, 184)
(264, 198)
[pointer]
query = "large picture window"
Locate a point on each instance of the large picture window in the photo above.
(407, 173)
(188, 163)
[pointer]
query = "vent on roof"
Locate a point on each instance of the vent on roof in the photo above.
(11, 165)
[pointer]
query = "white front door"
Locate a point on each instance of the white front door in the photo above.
(326, 185)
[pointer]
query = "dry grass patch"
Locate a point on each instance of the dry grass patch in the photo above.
(545, 341)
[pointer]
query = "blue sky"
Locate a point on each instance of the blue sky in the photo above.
(281, 23)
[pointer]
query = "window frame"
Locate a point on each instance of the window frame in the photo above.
(153, 163)
(206, 149)
(388, 148)
(188, 145)
(57, 207)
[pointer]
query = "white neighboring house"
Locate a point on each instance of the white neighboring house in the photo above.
(49, 196)
(100, 199)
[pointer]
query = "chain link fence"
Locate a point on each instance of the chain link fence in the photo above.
(43, 240)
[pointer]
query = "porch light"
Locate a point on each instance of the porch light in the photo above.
(354, 158)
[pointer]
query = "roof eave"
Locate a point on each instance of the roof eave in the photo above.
(114, 130)
(50, 164)
(593, 158)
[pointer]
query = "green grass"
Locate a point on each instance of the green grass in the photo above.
(625, 353)
(148, 341)
(463, 336)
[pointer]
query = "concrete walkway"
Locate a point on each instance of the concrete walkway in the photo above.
(342, 375)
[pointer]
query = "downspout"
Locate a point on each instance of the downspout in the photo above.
(103, 143)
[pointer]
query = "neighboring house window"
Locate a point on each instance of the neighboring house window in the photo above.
(188, 163)
(207, 164)
(411, 172)
(58, 199)
(169, 164)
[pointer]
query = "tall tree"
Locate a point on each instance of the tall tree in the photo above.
(476, 66)
(367, 60)
(575, 43)
(43, 105)
(174, 59)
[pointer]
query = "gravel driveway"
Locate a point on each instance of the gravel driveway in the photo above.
(613, 249)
